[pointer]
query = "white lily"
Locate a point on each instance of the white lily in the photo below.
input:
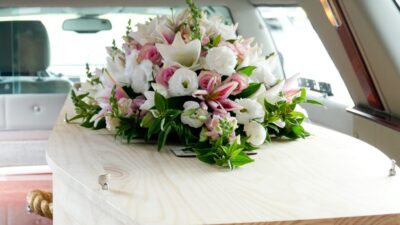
(181, 53)
(149, 103)
(160, 89)
(274, 94)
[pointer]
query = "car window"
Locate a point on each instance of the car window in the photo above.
(44, 49)
(302, 51)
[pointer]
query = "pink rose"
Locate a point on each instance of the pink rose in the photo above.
(241, 80)
(165, 74)
(205, 76)
(150, 52)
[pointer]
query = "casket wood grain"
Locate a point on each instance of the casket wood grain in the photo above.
(328, 178)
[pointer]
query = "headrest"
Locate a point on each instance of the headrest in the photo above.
(24, 47)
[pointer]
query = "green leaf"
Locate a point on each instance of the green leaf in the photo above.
(296, 114)
(216, 40)
(208, 158)
(314, 102)
(154, 128)
(147, 120)
(247, 70)
(241, 160)
(160, 102)
(250, 90)
(162, 137)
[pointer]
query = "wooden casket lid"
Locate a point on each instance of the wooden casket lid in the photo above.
(327, 175)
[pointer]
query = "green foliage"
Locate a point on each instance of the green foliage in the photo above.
(196, 15)
(222, 153)
(247, 70)
(283, 113)
(250, 90)
(128, 28)
(129, 129)
(164, 120)
(84, 111)
(92, 79)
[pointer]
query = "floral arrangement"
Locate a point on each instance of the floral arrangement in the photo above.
(192, 79)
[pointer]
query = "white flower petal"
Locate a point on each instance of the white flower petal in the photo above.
(256, 133)
(251, 110)
(140, 75)
(221, 59)
(179, 52)
(273, 95)
(149, 103)
(193, 115)
(183, 83)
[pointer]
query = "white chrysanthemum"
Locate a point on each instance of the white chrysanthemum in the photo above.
(256, 133)
(112, 123)
(221, 59)
(193, 115)
(183, 83)
(149, 103)
(251, 110)
(263, 73)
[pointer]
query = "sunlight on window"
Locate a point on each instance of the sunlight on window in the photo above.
(302, 50)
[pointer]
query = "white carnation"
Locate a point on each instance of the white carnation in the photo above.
(251, 110)
(221, 59)
(256, 133)
(193, 115)
(183, 82)
(149, 103)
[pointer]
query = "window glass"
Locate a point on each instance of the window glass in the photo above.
(302, 51)
(37, 48)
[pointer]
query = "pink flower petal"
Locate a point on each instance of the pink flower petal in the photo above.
(222, 92)
(229, 105)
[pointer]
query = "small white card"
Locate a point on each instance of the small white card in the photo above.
(182, 151)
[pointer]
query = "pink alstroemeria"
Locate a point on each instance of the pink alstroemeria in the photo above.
(205, 76)
(103, 96)
(216, 96)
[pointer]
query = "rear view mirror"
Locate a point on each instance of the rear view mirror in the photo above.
(87, 24)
